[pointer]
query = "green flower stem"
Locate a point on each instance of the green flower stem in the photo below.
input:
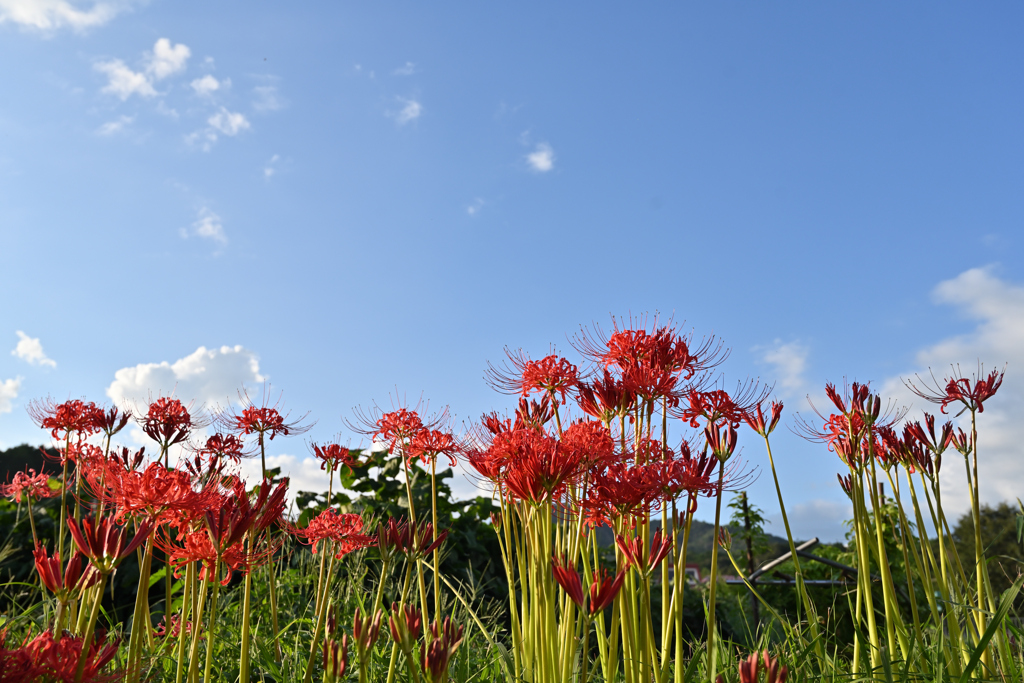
(243, 657)
(140, 618)
(211, 629)
(712, 650)
(186, 605)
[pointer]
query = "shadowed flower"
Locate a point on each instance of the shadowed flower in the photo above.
(57, 659)
(29, 484)
(65, 584)
(106, 543)
(167, 421)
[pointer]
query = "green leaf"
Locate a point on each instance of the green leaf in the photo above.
(1005, 603)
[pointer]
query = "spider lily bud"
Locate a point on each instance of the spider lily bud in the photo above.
(105, 543)
(636, 555)
(724, 538)
(365, 632)
(757, 420)
(722, 442)
(405, 624)
(569, 580)
(68, 585)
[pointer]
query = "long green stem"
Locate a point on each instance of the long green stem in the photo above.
(712, 649)
(211, 629)
(90, 627)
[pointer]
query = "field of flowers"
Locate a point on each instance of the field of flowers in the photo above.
(152, 566)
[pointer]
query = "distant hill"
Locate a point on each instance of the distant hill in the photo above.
(20, 458)
(702, 534)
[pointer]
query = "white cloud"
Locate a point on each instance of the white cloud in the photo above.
(270, 169)
(229, 123)
(815, 518)
(115, 126)
(267, 98)
(30, 350)
(410, 111)
(207, 85)
(46, 15)
(542, 158)
(167, 60)
(997, 306)
(475, 207)
(124, 82)
(408, 69)
(8, 392)
(210, 377)
(789, 362)
(208, 226)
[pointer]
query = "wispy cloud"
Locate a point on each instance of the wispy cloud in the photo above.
(789, 363)
(271, 167)
(49, 15)
(410, 111)
(207, 225)
(266, 98)
(475, 206)
(229, 123)
(407, 69)
(30, 350)
(542, 158)
(116, 126)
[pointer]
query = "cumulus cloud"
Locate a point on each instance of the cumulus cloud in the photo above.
(124, 82)
(997, 308)
(207, 225)
(8, 392)
(789, 362)
(542, 158)
(47, 15)
(207, 85)
(410, 111)
(209, 377)
(30, 350)
(116, 126)
(165, 60)
(229, 123)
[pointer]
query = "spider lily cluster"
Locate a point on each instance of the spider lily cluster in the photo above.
(590, 445)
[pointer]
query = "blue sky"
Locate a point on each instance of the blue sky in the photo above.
(355, 200)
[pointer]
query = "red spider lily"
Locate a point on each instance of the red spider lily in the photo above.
(161, 629)
(636, 552)
(714, 406)
(30, 484)
(936, 444)
(156, 493)
(366, 631)
(538, 466)
(534, 414)
(81, 454)
(106, 543)
(343, 531)
(436, 656)
(16, 666)
(568, 579)
(590, 441)
(606, 398)
(225, 446)
(57, 659)
(552, 374)
(197, 546)
(167, 422)
(65, 419)
(722, 442)
(335, 658)
(111, 421)
(757, 421)
(269, 504)
(623, 488)
(428, 444)
(490, 467)
(65, 584)
(603, 589)
(332, 456)
(262, 419)
(406, 624)
(971, 392)
(228, 521)
(126, 459)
